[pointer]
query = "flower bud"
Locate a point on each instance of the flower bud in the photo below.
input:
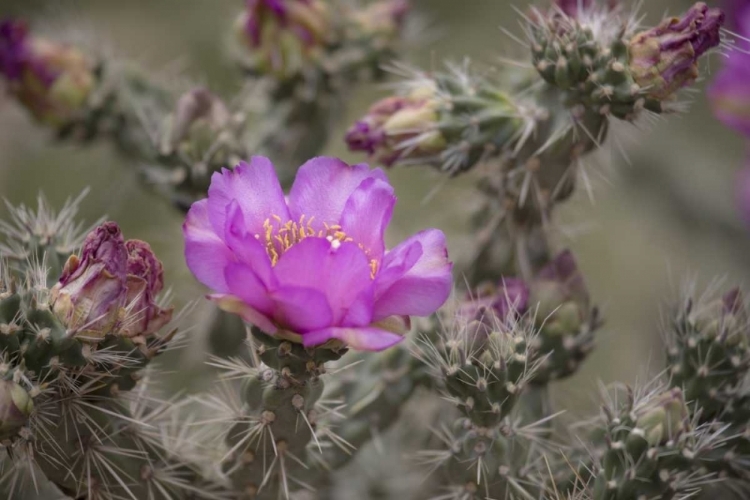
(492, 304)
(145, 280)
(399, 128)
(724, 318)
(560, 295)
(664, 417)
(665, 58)
(91, 291)
(110, 288)
(51, 79)
(16, 406)
(201, 130)
(284, 35)
(198, 117)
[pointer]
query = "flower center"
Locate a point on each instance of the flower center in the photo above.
(279, 237)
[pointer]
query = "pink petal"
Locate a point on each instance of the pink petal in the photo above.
(205, 253)
(300, 309)
(246, 284)
(322, 187)
(414, 286)
(367, 214)
(255, 187)
(245, 246)
(342, 275)
(362, 338)
(235, 305)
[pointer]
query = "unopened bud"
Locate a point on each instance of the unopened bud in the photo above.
(282, 36)
(399, 128)
(663, 418)
(724, 318)
(52, 80)
(560, 295)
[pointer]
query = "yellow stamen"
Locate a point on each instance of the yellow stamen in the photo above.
(280, 237)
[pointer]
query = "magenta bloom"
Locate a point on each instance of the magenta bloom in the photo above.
(314, 267)
(730, 92)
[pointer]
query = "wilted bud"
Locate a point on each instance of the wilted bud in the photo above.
(283, 36)
(91, 291)
(665, 58)
(383, 20)
(724, 318)
(110, 288)
(51, 79)
(16, 406)
(399, 128)
(664, 417)
(560, 295)
(145, 280)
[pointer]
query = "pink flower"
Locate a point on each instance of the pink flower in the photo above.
(314, 267)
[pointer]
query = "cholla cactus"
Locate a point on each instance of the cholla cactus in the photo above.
(530, 135)
(556, 303)
(76, 93)
(71, 352)
(317, 295)
(707, 356)
(305, 53)
(315, 41)
(483, 367)
(652, 448)
(310, 53)
(42, 235)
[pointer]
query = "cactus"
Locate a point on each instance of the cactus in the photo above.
(267, 445)
(305, 279)
(180, 140)
(483, 369)
(72, 354)
(528, 135)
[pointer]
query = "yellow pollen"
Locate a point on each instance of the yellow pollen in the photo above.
(278, 238)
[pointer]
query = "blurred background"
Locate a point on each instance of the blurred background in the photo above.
(661, 217)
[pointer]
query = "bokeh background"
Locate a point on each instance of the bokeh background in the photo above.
(660, 218)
